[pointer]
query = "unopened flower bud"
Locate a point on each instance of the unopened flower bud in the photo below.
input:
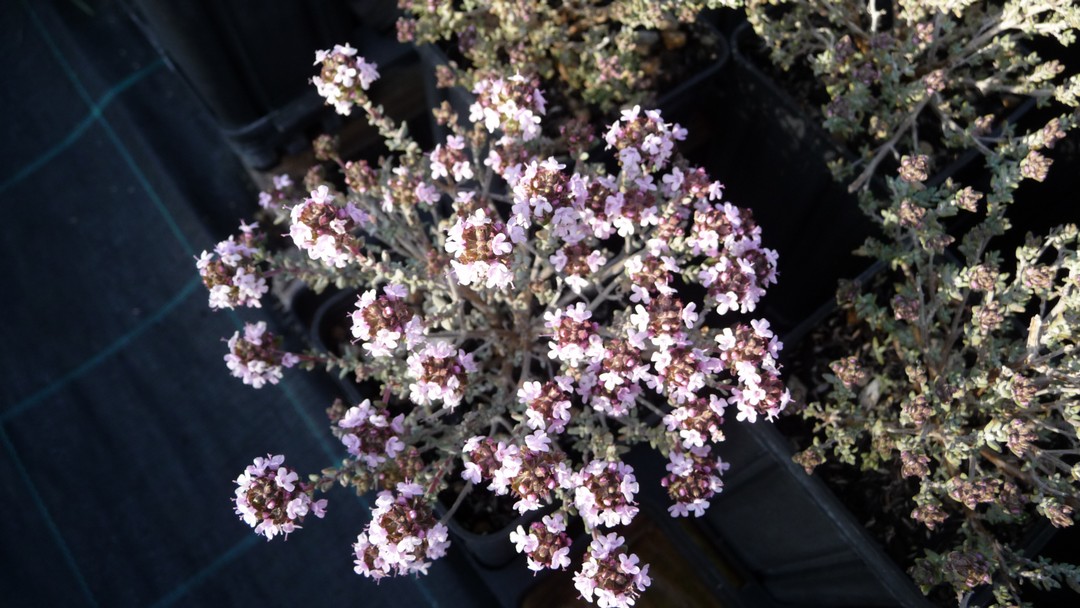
(982, 277)
(849, 371)
(968, 569)
(911, 214)
(1035, 166)
(914, 465)
(968, 199)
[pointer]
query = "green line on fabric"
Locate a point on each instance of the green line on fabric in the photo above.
(182, 238)
(224, 559)
(77, 132)
(70, 73)
(149, 189)
(54, 530)
(102, 355)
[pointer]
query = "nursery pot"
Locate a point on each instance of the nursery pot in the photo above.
(255, 85)
(1035, 536)
(478, 524)
(696, 102)
(491, 550)
(772, 159)
(330, 329)
(798, 543)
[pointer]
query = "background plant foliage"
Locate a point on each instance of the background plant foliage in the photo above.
(967, 373)
(605, 54)
(919, 76)
(964, 370)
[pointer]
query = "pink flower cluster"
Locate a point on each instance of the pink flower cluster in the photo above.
(256, 358)
(611, 574)
(482, 249)
(541, 469)
(547, 405)
(698, 420)
(438, 371)
(280, 193)
(370, 434)
(612, 383)
(750, 353)
(574, 336)
(380, 322)
(402, 536)
(531, 472)
(451, 161)
(270, 498)
(326, 230)
(512, 105)
(576, 264)
(693, 479)
(604, 494)
(737, 270)
(232, 272)
(406, 188)
(645, 143)
(545, 545)
(488, 459)
(343, 77)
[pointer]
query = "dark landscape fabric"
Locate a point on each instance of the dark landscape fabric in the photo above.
(121, 430)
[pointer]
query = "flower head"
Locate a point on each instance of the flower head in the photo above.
(233, 271)
(344, 77)
(256, 357)
(270, 498)
(545, 544)
(402, 537)
(605, 492)
(325, 230)
(609, 574)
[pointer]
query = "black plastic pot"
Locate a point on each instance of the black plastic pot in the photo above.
(772, 159)
(329, 329)
(493, 550)
(694, 103)
(251, 67)
(1040, 535)
(795, 543)
(800, 546)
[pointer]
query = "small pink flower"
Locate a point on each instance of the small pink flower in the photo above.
(605, 492)
(611, 574)
(256, 357)
(270, 499)
(545, 544)
(402, 537)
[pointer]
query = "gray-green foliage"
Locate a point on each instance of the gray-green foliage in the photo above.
(966, 376)
(927, 76)
(601, 52)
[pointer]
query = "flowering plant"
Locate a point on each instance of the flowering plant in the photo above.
(603, 53)
(528, 315)
(963, 382)
(914, 76)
